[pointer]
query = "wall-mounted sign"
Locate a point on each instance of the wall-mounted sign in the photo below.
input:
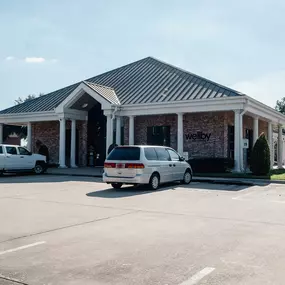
(199, 136)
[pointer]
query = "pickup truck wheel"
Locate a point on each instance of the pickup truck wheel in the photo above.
(39, 168)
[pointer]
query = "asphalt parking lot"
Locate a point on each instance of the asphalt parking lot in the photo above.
(58, 230)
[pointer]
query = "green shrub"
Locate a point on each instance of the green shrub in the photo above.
(260, 157)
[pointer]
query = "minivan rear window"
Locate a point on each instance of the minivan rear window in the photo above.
(125, 153)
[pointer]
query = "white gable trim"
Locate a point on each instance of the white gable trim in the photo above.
(77, 93)
(22, 118)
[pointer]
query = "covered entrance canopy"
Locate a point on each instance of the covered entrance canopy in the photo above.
(73, 108)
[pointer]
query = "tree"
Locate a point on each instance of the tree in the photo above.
(260, 157)
(21, 131)
(280, 106)
(21, 100)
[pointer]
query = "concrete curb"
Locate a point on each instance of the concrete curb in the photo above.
(226, 182)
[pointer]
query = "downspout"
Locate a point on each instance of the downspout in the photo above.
(114, 112)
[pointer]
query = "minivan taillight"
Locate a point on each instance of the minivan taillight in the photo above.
(134, 165)
(109, 165)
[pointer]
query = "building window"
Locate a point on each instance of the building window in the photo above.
(158, 135)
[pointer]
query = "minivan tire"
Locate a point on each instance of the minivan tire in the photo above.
(187, 178)
(154, 181)
(117, 185)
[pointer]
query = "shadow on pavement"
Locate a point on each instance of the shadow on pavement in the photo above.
(129, 191)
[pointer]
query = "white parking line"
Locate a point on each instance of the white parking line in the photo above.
(22, 247)
(198, 276)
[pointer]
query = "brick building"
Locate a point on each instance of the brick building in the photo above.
(145, 102)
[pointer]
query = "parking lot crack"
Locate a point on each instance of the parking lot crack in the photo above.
(71, 226)
(12, 280)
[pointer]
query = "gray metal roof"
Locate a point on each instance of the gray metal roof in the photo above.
(106, 92)
(145, 81)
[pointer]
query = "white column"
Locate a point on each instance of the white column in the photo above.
(241, 143)
(255, 129)
(280, 147)
(1, 132)
(237, 141)
(62, 136)
(29, 136)
(118, 130)
(131, 130)
(180, 133)
(270, 143)
(109, 136)
(73, 144)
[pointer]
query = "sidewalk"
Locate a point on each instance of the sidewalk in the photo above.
(97, 172)
(80, 171)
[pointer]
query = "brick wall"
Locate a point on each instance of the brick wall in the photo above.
(205, 124)
(48, 133)
(214, 124)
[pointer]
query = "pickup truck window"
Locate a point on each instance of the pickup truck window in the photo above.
(11, 150)
(23, 151)
(1, 149)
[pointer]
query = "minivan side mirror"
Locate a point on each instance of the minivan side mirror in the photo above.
(182, 158)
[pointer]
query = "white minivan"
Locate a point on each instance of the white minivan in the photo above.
(15, 158)
(151, 165)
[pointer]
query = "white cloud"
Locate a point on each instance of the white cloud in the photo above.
(267, 89)
(9, 58)
(35, 59)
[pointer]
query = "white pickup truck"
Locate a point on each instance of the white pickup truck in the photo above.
(14, 158)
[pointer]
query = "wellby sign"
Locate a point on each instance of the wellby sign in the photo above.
(199, 136)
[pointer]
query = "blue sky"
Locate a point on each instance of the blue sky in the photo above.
(46, 45)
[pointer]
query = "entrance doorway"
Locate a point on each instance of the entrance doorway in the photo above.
(68, 147)
(96, 142)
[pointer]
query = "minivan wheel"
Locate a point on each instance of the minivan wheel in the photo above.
(117, 185)
(39, 168)
(187, 177)
(154, 181)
